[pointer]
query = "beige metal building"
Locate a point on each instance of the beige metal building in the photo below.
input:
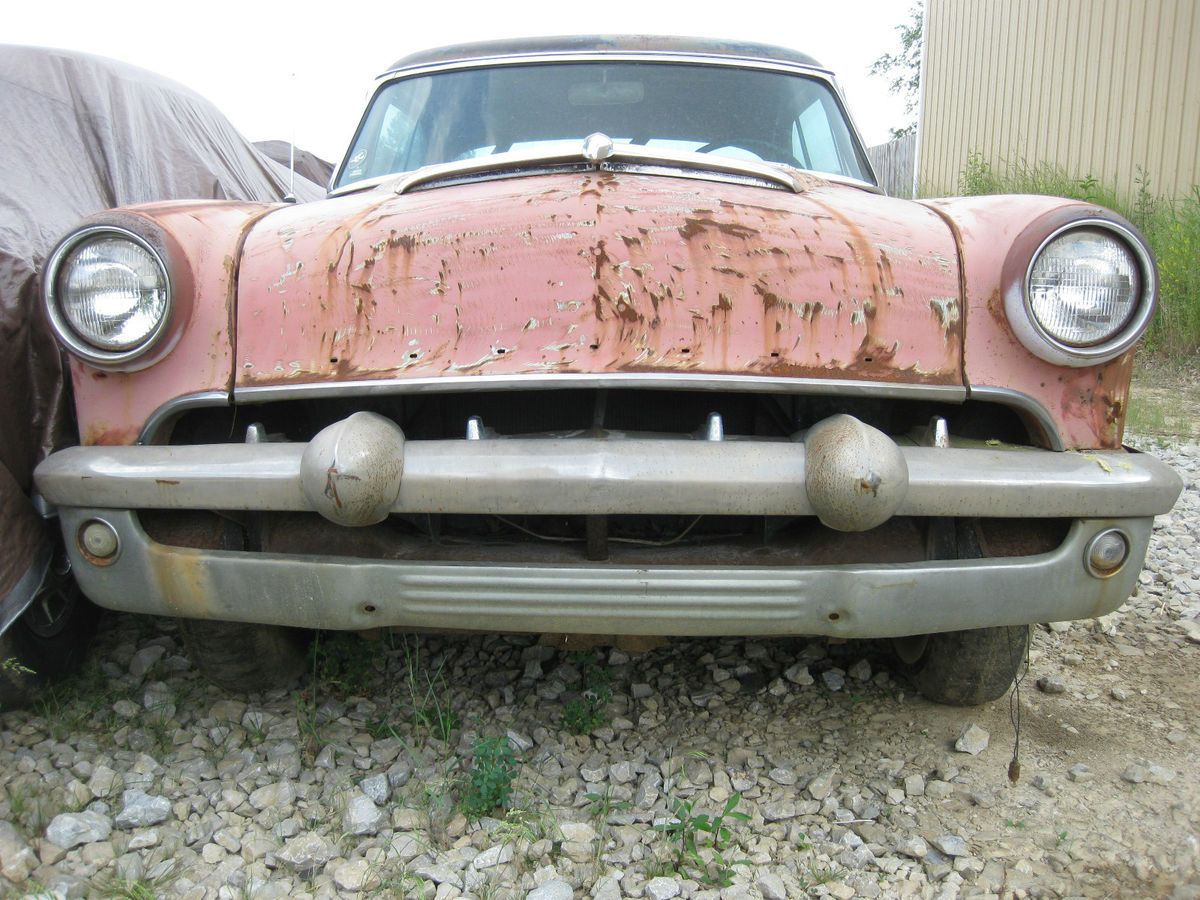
(1097, 87)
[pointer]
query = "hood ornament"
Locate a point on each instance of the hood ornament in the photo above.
(597, 147)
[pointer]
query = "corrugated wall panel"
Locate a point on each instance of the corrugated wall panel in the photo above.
(1097, 87)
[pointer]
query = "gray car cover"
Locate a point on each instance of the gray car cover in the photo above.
(81, 134)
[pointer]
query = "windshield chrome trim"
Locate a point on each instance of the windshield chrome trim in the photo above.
(736, 62)
(629, 153)
(948, 393)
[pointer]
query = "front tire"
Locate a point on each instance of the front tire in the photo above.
(964, 668)
(48, 641)
(243, 658)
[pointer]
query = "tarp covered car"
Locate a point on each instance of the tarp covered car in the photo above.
(81, 134)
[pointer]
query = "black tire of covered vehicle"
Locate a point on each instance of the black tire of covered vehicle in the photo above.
(243, 658)
(964, 668)
(47, 642)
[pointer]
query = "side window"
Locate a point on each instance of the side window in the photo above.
(813, 142)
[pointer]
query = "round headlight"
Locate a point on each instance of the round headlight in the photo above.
(109, 295)
(1084, 287)
(1085, 295)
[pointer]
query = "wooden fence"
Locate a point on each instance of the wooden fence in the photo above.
(895, 165)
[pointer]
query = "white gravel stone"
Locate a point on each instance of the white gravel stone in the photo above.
(798, 674)
(17, 859)
(835, 679)
(580, 832)
(951, 845)
(622, 772)
(860, 671)
(973, 739)
(594, 769)
(914, 786)
(357, 875)
(822, 785)
(662, 888)
(69, 830)
(279, 796)
(492, 857)
(771, 886)
(555, 889)
(144, 659)
(362, 816)
(305, 854)
(141, 810)
(912, 845)
(377, 787)
(104, 782)
(522, 743)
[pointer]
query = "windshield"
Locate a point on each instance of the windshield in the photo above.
(749, 114)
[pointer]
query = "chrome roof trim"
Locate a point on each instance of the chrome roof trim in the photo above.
(565, 380)
(602, 43)
(729, 61)
(752, 62)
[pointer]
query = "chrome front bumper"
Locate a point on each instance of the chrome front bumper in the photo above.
(851, 477)
(842, 600)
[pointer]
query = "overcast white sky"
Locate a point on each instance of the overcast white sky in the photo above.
(274, 67)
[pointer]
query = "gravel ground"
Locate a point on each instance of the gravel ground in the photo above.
(138, 779)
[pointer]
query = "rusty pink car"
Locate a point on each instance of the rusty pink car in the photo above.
(613, 336)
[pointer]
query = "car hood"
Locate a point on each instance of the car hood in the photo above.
(600, 272)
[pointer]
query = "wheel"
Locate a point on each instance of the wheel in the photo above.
(964, 668)
(49, 640)
(244, 658)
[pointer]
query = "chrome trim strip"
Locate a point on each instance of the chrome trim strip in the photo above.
(17, 600)
(76, 343)
(837, 600)
(1024, 403)
(517, 59)
(819, 73)
(1126, 336)
(626, 474)
(821, 387)
(174, 408)
(628, 153)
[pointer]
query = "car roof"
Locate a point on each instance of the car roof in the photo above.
(614, 43)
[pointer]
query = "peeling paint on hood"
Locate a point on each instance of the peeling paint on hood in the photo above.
(601, 272)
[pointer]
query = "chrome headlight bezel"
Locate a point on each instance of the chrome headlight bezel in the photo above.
(65, 331)
(1043, 344)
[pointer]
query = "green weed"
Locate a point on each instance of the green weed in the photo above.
(342, 663)
(488, 783)
(589, 710)
(114, 886)
(429, 696)
(603, 805)
(699, 841)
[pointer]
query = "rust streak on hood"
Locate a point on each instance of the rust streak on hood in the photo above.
(596, 273)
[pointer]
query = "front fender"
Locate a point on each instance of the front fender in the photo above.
(1086, 405)
(113, 407)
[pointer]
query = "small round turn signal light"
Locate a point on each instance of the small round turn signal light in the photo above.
(1107, 553)
(98, 542)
